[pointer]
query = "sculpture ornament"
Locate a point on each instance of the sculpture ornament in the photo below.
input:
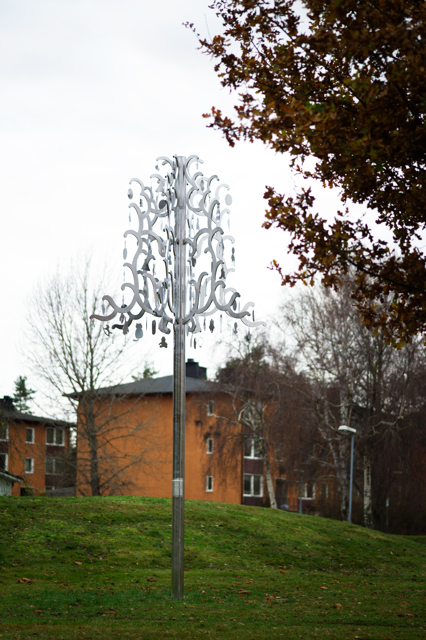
(208, 250)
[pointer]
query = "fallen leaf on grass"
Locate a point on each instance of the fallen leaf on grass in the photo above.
(323, 587)
(24, 581)
(281, 571)
(78, 563)
(406, 615)
(151, 579)
(243, 591)
(337, 606)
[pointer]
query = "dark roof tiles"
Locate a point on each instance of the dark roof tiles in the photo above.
(153, 386)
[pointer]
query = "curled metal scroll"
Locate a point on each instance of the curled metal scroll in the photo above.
(151, 270)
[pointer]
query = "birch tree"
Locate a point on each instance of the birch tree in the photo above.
(252, 383)
(356, 379)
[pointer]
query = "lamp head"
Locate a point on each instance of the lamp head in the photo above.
(345, 430)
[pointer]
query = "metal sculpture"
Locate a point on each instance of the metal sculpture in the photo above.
(180, 285)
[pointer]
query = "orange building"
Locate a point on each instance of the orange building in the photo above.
(32, 449)
(220, 463)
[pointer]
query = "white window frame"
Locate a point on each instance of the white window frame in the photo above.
(31, 460)
(210, 408)
(54, 472)
(6, 426)
(252, 494)
(305, 491)
(55, 444)
(210, 446)
(209, 484)
(32, 435)
(325, 493)
(6, 462)
(252, 450)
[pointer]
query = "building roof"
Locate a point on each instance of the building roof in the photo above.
(9, 412)
(10, 476)
(163, 385)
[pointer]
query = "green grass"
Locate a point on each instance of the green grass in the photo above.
(99, 568)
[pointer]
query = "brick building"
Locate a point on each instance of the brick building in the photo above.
(221, 463)
(33, 449)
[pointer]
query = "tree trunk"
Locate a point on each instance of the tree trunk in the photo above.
(269, 481)
(368, 510)
(90, 428)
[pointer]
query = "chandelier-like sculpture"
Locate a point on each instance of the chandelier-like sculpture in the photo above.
(198, 243)
(179, 272)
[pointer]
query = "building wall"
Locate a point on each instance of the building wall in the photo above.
(141, 438)
(18, 450)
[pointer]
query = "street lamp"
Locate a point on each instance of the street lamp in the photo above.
(350, 432)
(181, 219)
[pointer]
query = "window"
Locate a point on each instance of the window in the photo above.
(29, 465)
(29, 435)
(209, 445)
(210, 408)
(324, 490)
(253, 485)
(54, 466)
(252, 448)
(309, 491)
(55, 436)
(4, 431)
(209, 483)
(3, 461)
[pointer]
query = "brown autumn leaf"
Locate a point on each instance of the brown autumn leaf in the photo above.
(242, 591)
(337, 606)
(24, 580)
(79, 563)
(281, 571)
(151, 579)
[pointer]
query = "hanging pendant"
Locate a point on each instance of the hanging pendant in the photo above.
(204, 323)
(220, 323)
(195, 343)
(154, 327)
(163, 342)
(235, 328)
(138, 332)
(211, 326)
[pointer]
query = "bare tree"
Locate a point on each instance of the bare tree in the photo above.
(253, 384)
(355, 379)
(77, 361)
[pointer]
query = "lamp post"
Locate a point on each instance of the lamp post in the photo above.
(181, 220)
(350, 432)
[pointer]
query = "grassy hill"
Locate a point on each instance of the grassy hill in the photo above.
(100, 568)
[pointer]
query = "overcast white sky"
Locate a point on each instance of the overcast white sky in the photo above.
(92, 92)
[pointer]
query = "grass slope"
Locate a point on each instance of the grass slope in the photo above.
(100, 568)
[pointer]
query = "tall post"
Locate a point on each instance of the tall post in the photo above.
(196, 206)
(351, 479)
(179, 379)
